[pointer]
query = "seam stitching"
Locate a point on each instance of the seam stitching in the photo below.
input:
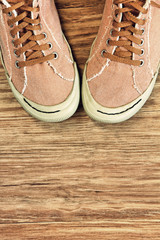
(2, 19)
(149, 26)
(134, 81)
(114, 49)
(55, 39)
(98, 74)
(59, 74)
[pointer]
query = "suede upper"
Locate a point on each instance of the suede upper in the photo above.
(47, 83)
(114, 84)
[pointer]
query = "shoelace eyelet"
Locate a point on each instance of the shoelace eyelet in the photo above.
(143, 31)
(45, 35)
(56, 55)
(16, 64)
(50, 45)
(142, 63)
(25, 45)
(142, 42)
(40, 27)
(11, 35)
(16, 54)
(107, 42)
(13, 42)
(102, 53)
(142, 52)
(10, 14)
(111, 32)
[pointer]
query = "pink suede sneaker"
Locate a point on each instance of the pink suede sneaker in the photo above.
(37, 59)
(125, 58)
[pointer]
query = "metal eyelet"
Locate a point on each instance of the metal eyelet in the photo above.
(11, 35)
(102, 53)
(50, 45)
(142, 52)
(10, 14)
(143, 31)
(142, 63)
(40, 27)
(111, 32)
(45, 35)
(107, 42)
(16, 64)
(13, 42)
(142, 42)
(56, 55)
(16, 54)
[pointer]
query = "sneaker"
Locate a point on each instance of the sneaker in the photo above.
(124, 61)
(37, 59)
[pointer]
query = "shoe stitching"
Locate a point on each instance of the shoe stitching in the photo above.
(134, 81)
(148, 53)
(8, 48)
(98, 74)
(25, 81)
(114, 49)
(106, 30)
(9, 53)
(149, 26)
(58, 73)
(49, 64)
(55, 38)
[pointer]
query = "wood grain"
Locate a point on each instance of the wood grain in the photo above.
(79, 180)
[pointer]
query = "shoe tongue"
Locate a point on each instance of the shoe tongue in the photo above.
(27, 3)
(135, 13)
(141, 3)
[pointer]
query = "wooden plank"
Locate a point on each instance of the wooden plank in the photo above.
(62, 231)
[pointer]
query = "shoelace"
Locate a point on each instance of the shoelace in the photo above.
(28, 41)
(124, 45)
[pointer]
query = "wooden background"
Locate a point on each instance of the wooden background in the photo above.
(79, 180)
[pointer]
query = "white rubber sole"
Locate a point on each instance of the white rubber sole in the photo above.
(57, 113)
(113, 115)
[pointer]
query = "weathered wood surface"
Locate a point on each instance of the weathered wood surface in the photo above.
(79, 179)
